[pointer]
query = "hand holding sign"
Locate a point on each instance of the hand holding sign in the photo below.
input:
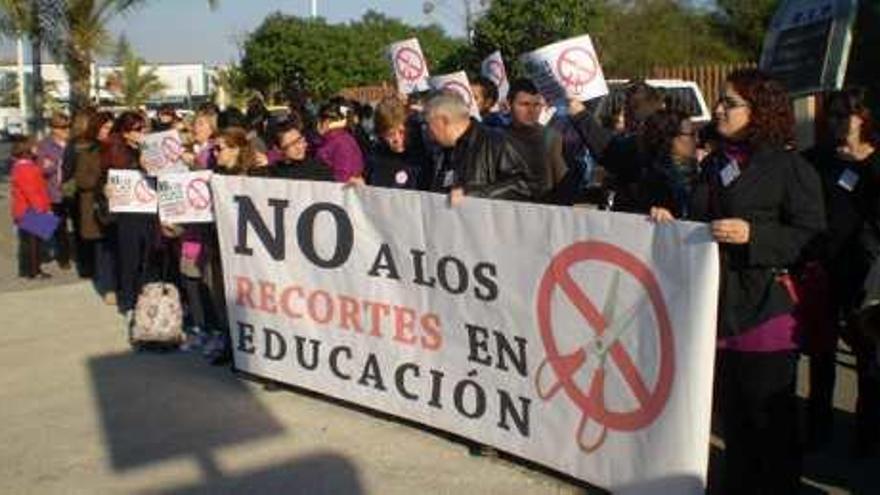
(568, 69)
(186, 198)
(130, 191)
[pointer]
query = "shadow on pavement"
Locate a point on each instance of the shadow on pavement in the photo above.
(320, 474)
(832, 466)
(160, 407)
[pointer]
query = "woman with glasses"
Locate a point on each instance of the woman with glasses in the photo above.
(848, 162)
(295, 162)
(764, 203)
(668, 145)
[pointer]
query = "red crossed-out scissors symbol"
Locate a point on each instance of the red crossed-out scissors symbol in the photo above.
(604, 344)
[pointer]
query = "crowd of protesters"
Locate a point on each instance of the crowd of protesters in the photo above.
(792, 227)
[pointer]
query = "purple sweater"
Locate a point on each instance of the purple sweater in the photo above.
(50, 156)
(340, 151)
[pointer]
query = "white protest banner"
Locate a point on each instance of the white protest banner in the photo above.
(409, 66)
(131, 191)
(493, 69)
(579, 340)
(186, 198)
(458, 83)
(567, 69)
(161, 152)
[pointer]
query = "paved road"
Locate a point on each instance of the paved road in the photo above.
(82, 414)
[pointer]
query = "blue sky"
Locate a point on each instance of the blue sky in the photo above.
(188, 31)
(181, 31)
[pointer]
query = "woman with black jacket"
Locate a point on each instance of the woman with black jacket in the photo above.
(389, 164)
(765, 205)
(137, 234)
(849, 166)
(668, 147)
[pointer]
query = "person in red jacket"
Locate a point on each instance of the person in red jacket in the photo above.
(28, 191)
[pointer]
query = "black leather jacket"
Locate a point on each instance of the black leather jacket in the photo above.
(485, 164)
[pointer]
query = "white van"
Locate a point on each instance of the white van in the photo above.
(681, 95)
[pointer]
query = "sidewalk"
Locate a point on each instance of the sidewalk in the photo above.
(81, 413)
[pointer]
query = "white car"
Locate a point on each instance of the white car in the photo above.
(681, 95)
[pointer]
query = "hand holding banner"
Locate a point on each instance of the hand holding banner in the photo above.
(131, 191)
(409, 66)
(567, 69)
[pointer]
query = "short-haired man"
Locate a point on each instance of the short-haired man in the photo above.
(540, 146)
(474, 161)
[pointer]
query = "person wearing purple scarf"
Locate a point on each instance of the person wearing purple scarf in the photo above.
(764, 204)
(337, 148)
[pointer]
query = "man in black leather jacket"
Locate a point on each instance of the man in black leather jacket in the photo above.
(475, 161)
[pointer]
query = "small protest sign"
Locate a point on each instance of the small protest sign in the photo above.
(186, 198)
(409, 66)
(458, 83)
(131, 191)
(161, 153)
(493, 69)
(567, 69)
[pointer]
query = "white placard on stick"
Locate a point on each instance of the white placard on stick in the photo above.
(186, 198)
(493, 68)
(457, 83)
(131, 191)
(409, 65)
(567, 69)
(161, 153)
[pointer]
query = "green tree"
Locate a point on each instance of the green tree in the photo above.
(289, 51)
(231, 87)
(744, 23)
(135, 84)
(519, 26)
(629, 36)
(653, 33)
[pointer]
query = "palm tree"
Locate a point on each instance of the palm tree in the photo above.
(80, 32)
(231, 87)
(31, 18)
(134, 84)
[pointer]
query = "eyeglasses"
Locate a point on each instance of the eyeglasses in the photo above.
(296, 142)
(729, 103)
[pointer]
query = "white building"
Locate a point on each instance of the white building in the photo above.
(182, 81)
